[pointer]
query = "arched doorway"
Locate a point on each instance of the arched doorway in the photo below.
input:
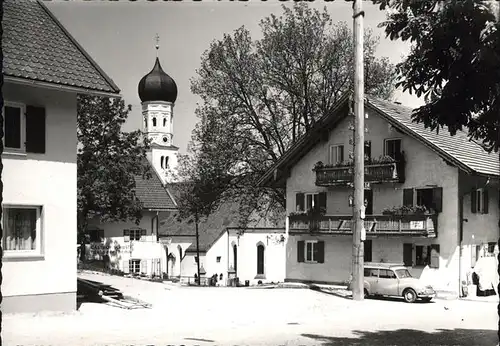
(260, 259)
(235, 259)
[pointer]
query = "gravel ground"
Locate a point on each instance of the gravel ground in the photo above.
(241, 316)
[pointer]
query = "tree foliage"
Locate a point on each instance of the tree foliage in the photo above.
(454, 62)
(108, 159)
(259, 96)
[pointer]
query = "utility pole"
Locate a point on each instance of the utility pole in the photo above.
(359, 139)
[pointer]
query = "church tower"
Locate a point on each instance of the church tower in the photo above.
(158, 92)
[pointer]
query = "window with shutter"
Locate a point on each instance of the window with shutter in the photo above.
(434, 263)
(300, 251)
(144, 266)
(126, 266)
(126, 235)
(35, 130)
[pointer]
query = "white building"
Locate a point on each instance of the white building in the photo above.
(44, 69)
(251, 252)
(135, 248)
(407, 167)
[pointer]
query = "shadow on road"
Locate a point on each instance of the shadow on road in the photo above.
(411, 337)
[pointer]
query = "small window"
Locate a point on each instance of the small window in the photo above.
(218, 259)
(312, 200)
(154, 122)
(336, 154)
(96, 235)
(422, 255)
(135, 266)
(260, 259)
(145, 123)
(161, 161)
(164, 122)
(22, 227)
(491, 247)
(393, 148)
(166, 162)
(195, 259)
(133, 234)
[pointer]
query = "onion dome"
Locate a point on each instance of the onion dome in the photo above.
(157, 86)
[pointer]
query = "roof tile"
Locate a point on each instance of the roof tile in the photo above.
(37, 47)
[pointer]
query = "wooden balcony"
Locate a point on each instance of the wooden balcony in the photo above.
(390, 225)
(374, 174)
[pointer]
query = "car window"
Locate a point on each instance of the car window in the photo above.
(403, 273)
(387, 274)
(370, 272)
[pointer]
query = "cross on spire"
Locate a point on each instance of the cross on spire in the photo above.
(157, 39)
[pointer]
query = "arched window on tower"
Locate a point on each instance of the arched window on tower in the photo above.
(161, 161)
(166, 162)
(164, 122)
(154, 121)
(145, 123)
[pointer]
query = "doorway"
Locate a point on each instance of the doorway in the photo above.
(235, 257)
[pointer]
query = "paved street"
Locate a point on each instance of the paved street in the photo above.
(250, 316)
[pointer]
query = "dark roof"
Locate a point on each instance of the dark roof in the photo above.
(152, 193)
(458, 150)
(469, 154)
(157, 86)
(227, 216)
(37, 47)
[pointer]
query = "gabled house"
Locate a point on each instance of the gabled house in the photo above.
(44, 69)
(132, 248)
(253, 252)
(432, 200)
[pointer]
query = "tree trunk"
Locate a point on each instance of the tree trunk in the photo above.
(196, 219)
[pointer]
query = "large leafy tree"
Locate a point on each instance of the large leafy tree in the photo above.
(108, 159)
(454, 62)
(259, 96)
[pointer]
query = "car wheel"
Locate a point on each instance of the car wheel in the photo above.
(409, 295)
(426, 299)
(367, 295)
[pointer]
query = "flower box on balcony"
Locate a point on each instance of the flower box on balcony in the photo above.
(381, 170)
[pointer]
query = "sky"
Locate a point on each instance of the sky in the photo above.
(120, 37)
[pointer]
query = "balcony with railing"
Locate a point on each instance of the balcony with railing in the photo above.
(384, 170)
(424, 225)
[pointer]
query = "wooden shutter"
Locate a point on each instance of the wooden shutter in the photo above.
(485, 201)
(408, 255)
(300, 251)
(320, 252)
(35, 130)
(368, 250)
(437, 197)
(473, 201)
(434, 256)
(144, 266)
(408, 197)
(341, 158)
(299, 201)
(126, 235)
(322, 201)
(126, 266)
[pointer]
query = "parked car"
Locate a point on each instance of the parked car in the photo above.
(394, 280)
